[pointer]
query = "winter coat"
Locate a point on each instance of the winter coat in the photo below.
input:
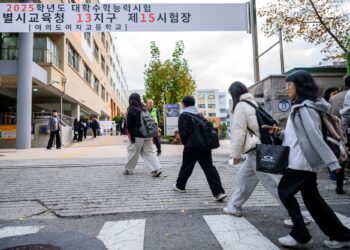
(133, 121)
(306, 120)
(245, 127)
(186, 126)
(95, 125)
(337, 103)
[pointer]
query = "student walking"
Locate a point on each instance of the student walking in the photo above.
(309, 153)
(94, 126)
(75, 129)
(337, 104)
(80, 130)
(85, 127)
(245, 136)
(138, 145)
(156, 116)
(54, 130)
(192, 155)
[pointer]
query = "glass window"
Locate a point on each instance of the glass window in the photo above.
(87, 73)
(96, 52)
(211, 96)
(212, 114)
(87, 37)
(96, 85)
(103, 93)
(211, 106)
(222, 110)
(103, 63)
(73, 58)
(201, 106)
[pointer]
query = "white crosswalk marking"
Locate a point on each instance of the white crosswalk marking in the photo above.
(15, 231)
(128, 234)
(345, 220)
(237, 233)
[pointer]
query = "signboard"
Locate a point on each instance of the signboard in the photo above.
(171, 117)
(48, 17)
(284, 105)
(107, 127)
(8, 132)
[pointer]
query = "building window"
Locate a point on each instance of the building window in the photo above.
(201, 97)
(103, 93)
(73, 58)
(103, 63)
(96, 52)
(87, 37)
(103, 37)
(88, 1)
(211, 106)
(222, 110)
(201, 106)
(211, 96)
(87, 73)
(96, 85)
(212, 114)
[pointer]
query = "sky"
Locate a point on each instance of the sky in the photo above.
(216, 58)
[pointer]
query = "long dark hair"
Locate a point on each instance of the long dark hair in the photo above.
(236, 90)
(328, 92)
(135, 102)
(305, 85)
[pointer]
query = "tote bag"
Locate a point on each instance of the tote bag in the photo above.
(272, 159)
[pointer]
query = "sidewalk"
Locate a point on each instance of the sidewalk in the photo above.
(100, 147)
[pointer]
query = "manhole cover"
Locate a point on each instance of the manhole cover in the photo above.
(34, 247)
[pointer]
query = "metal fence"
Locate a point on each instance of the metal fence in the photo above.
(9, 118)
(39, 55)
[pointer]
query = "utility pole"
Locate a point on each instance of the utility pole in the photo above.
(24, 90)
(254, 31)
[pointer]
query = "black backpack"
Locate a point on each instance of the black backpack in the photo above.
(264, 119)
(204, 134)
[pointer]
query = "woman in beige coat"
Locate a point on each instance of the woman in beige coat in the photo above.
(245, 136)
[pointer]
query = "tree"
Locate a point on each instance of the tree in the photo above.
(316, 21)
(168, 81)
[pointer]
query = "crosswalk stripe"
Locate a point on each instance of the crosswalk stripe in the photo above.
(237, 233)
(127, 234)
(344, 219)
(15, 231)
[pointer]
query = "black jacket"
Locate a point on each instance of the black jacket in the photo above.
(133, 121)
(95, 125)
(186, 127)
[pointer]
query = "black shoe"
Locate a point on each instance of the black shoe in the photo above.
(58, 148)
(159, 152)
(48, 148)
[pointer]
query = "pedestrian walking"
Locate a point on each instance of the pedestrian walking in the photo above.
(75, 129)
(85, 127)
(54, 128)
(138, 145)
(337, 104)
(245, 136)
(80, 130)
(192, 154)
(309, 153)
(94, 126)
(156, 116)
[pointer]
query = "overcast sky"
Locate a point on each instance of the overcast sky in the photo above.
(215, 58)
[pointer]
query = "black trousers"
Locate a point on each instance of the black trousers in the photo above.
(156, 141)
(85, 132)
(294, 181)
(54, 134)
(80, 135)
(340, 177)
(204, 158)
(94, 131)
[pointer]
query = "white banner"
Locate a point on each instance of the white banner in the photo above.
(31, 17)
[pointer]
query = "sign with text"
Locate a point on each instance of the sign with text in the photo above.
(171, 117)
(47, 17)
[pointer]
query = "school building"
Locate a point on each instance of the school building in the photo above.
(78, 74)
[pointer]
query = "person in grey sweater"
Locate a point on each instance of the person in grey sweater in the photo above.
(309, 154)
(54, 128)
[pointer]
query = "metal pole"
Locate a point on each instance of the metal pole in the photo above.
(254, 30)
(24, 90)
(281, 51)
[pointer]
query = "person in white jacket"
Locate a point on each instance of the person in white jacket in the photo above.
(245, 136)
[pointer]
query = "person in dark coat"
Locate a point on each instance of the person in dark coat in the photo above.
(95, 126)
(85, 127)
(75, 129)
(54, 128)
(80, 130)
(191, 154)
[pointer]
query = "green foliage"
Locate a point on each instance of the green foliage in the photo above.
(168, 81)
(118, 118)
(316, 21)
(222, 131)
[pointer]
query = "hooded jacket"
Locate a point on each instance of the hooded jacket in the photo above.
(306, 121)
(244, 119)
(185, 124)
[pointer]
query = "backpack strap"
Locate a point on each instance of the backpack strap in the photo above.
(260, 108)
(198, 118)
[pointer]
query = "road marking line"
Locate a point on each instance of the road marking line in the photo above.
(127, 234)
(15, 231)
(237, 233)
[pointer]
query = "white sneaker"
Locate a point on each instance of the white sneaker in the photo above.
(175, 188)
(336, 244)
(289, 223)
(289, 241)
(236, 213)
(220, 197)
